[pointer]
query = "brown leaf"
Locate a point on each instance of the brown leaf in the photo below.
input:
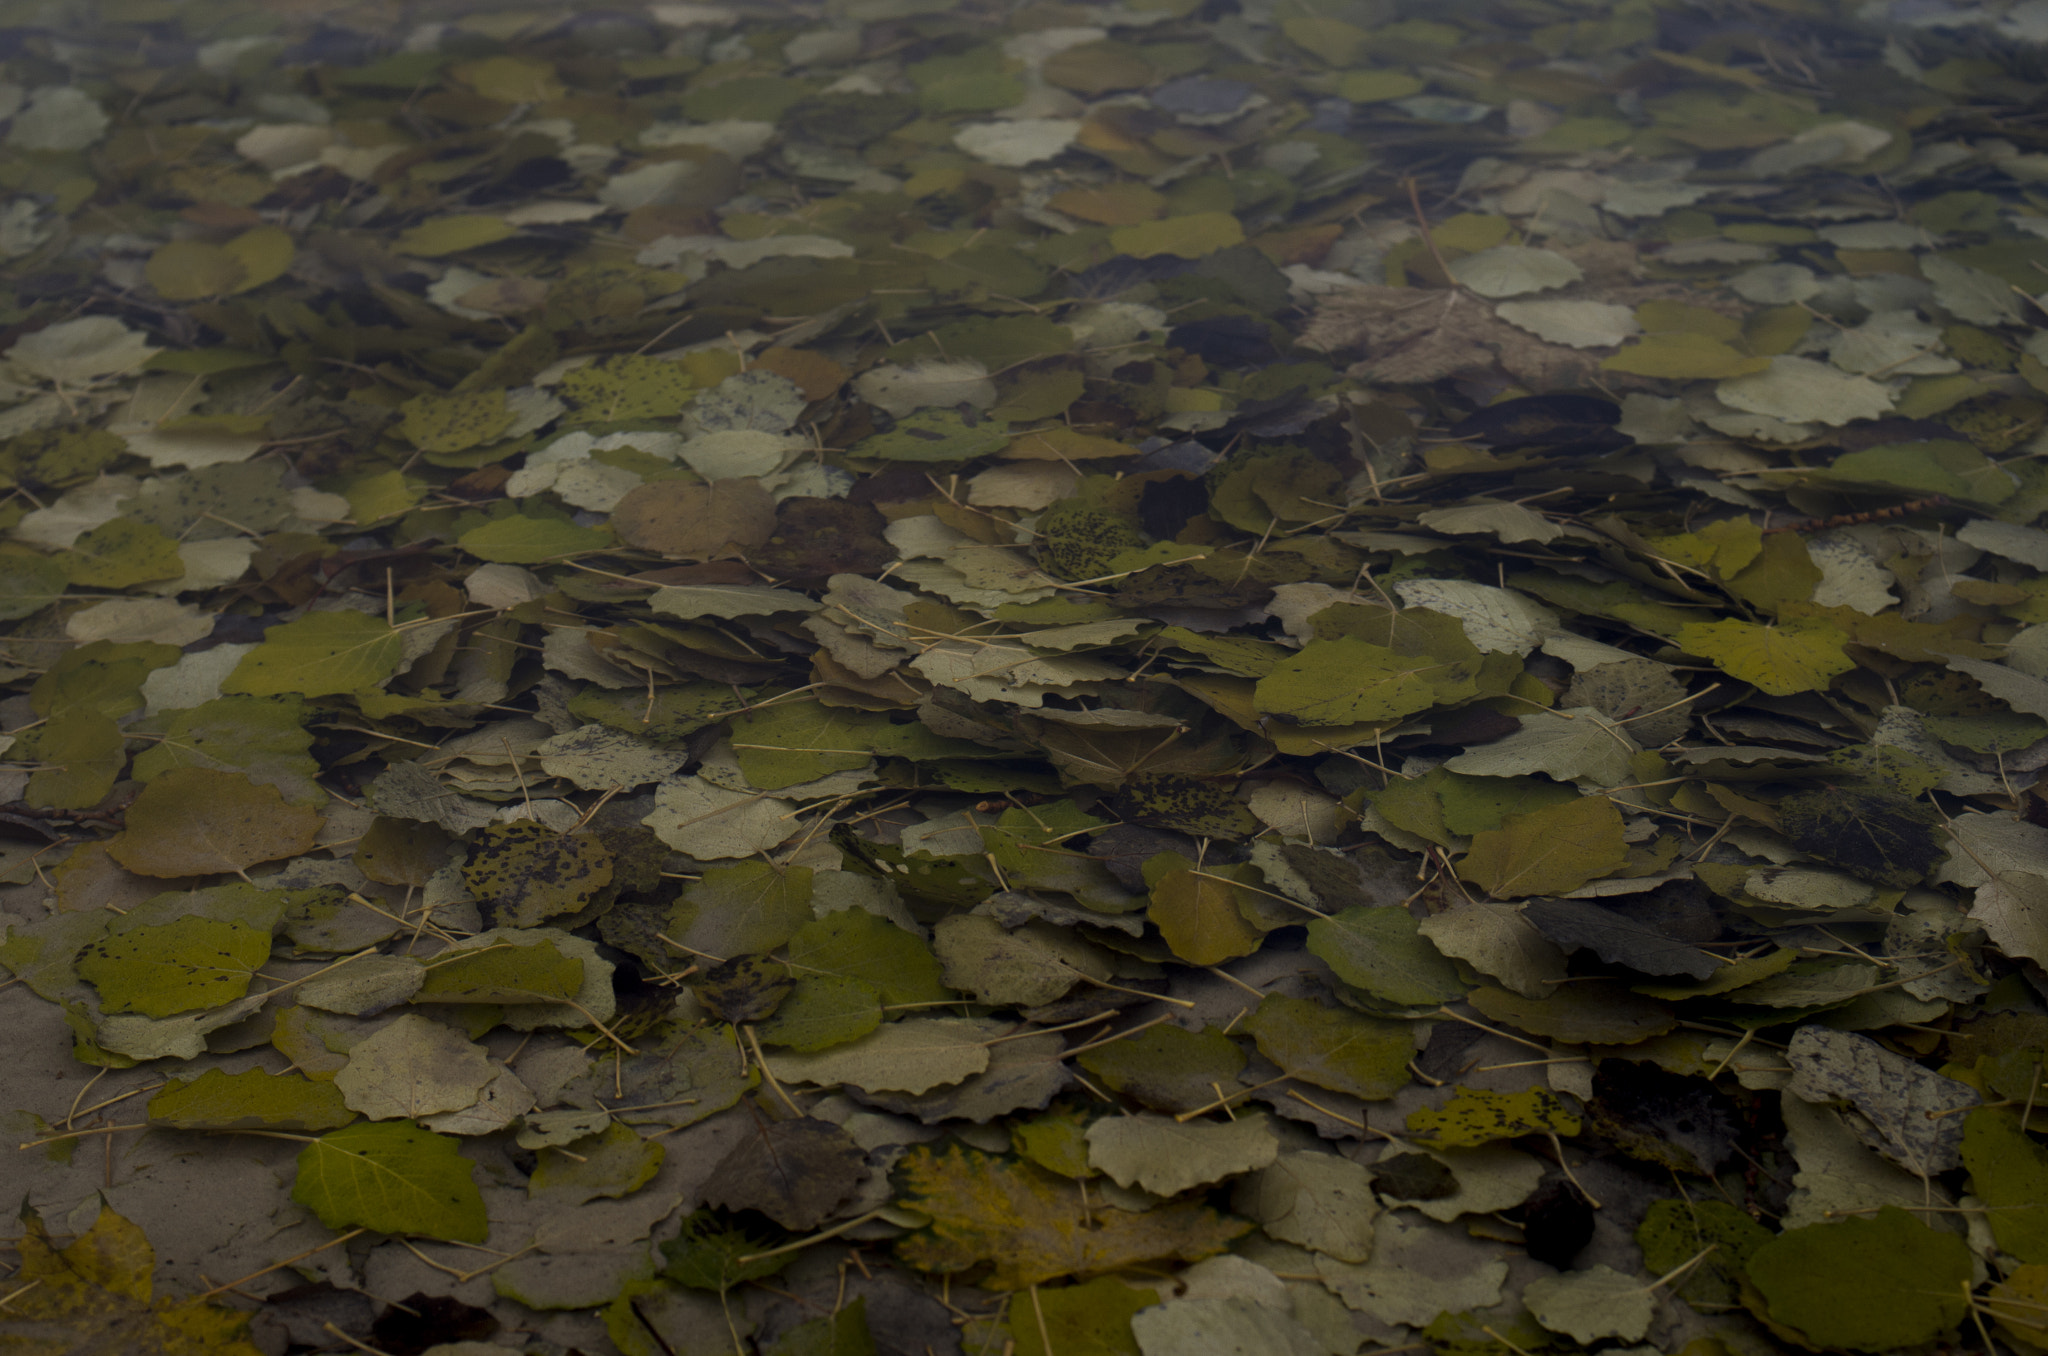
(195, 821)
(680, 521)
(794, 1172)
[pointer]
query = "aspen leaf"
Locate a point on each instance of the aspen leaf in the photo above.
(320, 654)
(1549, 851)
(1029, 1226)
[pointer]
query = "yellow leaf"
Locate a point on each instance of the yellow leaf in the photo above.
(263, 254)
(1682, 355)
(1201, 918)
(192, 270)
(1780, 660)
(1190, 237)
(450, 235)
(1031, 1226)
(514, 80)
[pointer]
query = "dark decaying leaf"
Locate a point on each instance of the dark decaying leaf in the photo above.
(1878, 835)
(1619, 938)
(794, 1172)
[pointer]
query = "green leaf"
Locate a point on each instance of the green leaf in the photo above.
(29, 583)
(856, 944)
(1870, 1284)
(2009, 1174)
(1168, 1068)
(615, 1162)
(1332, 1048)
(262, 738)
(533, 973)
(393, 1177)
(706, 1253)
(320, 654)
(823, 1011)
(1550, 851)
(253, 1099)
(175, 967)
(1673, 1232)
(934, 435)
(121, 554)
(1090, 1319)
(747, 909)
(520, 540)
(1380, 951)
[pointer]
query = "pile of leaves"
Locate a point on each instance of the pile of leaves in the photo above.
(1067, 679)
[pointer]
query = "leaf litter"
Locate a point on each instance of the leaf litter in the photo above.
(1130, 678)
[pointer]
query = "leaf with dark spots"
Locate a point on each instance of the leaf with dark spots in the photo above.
(522, 873)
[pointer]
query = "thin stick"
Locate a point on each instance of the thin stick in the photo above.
(278, 1266)
(832, 1232)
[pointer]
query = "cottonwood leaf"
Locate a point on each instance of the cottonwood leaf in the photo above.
(180, 966)
(2009, 1174)
(1346, 681)
(1497, 940)
(94, 1295)
(1166, 1067)
(1027, 967)
(320, 654)
(1214, 1325)
(394, 1178)
(1491, 517)
(1090, 1319)
(411, 1068)
(823, 1011)
(1333, 1048)
(1382, 951)
(253, 1099)
(1321, 1201)
(709, 822)
(1596, 1012)
(1419, 1271)
(747, 909)
(1618, 938)
(1030, 1226)
(854, 944)
(1549, 851)
(1591, 1304)
(526, 971)
(914, 1055)
(1511, 270)
(263, 738)
(1566, 745)
(1167, 1157)
(2023, 692)
(1871, 1284)
(1780, 660)
(2012, 908)
(615, 1162)
(1202, 916)
(1801, 390)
